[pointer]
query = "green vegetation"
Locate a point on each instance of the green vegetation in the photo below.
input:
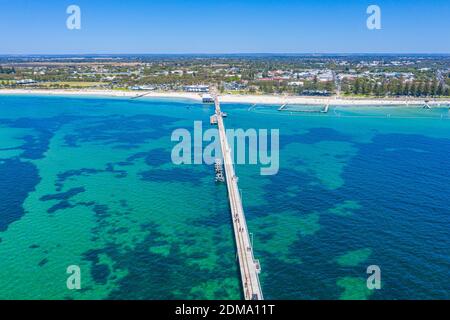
(359, 76)
(72, 84)
(396, 88)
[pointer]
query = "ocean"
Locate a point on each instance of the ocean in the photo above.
(89, 181)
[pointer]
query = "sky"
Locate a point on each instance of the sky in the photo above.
(231, 26)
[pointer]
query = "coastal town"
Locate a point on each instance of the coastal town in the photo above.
(357, 76)
(224, 159)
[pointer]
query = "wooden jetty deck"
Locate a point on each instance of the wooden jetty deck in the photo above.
(249, 266)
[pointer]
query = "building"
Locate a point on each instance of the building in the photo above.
(196, 88)
(296, 83)
(233, 86)
(207, 98)
(315, 93)
(177, 72)
(325, 76)
(143, 88)
(26, 81)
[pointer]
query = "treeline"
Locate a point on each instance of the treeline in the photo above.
(396, 88)
(316, 85)
(270, 87)
(7, 70)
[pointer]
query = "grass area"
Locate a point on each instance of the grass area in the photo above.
(6, 82)
(70, 84)
(237, 92)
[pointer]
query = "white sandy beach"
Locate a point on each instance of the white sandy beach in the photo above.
(106, 93)
(229, 98)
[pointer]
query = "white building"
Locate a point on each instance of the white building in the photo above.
(26, 81)
(145, 87)
(207, 98)
(196, 88)
(296, 83)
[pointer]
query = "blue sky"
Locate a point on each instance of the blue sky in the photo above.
(216, 26)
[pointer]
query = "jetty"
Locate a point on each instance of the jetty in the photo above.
(282, 107)
(252, 107)
(305, 108)
(248, 265)
(426, 105)
(141, 95)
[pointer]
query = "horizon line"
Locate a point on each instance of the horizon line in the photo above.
(234, 53)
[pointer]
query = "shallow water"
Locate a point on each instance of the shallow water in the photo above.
(90, 182)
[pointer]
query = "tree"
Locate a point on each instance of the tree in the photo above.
(346, 88)
(386, 88)
(356, 86)
(433, 88)
(329, 86)
(399, 88)
(376, 89)
(427, 89)
(413, 89)
(407, 89)
(440, 90)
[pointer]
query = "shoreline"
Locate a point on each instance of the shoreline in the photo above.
(229, 98)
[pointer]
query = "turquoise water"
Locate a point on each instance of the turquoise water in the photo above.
(90, 182)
